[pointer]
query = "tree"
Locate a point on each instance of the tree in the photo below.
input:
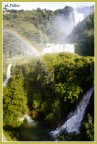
(89, 128)
(15, 103)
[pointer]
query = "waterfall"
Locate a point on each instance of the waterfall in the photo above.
(8, 75)
(75, 118)
(30, 122)
(28, 118)
(78, 17)
(56, 48)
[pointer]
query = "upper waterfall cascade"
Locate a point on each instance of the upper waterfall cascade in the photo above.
(78, 17)
(55, 48)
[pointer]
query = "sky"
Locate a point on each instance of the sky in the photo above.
(44, 5)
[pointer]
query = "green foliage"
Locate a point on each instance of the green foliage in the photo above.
(69, 137)
(8, 135)
(50, 118)
(55, 82)
(15, 103)
(12, 133)
(70, 92)
(51, 86)
(89, 128)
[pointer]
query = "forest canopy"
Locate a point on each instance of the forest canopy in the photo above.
(48, 86)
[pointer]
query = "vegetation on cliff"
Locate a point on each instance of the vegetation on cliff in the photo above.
(53, 84)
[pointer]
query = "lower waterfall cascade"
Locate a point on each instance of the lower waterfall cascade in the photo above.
(75, 118)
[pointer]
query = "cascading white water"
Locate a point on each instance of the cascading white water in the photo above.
(30, 122)
(28, 118)
(55, 48)
(78, 17)
(8, 75)
(75, 118)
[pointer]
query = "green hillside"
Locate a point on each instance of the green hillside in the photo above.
(37, 26)
(45, 26)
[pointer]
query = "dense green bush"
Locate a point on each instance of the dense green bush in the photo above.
(14, 102)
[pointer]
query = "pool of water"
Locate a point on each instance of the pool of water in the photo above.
(35, 132)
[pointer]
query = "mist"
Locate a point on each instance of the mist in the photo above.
(85, 10)
(63, 26)
(17, 45)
